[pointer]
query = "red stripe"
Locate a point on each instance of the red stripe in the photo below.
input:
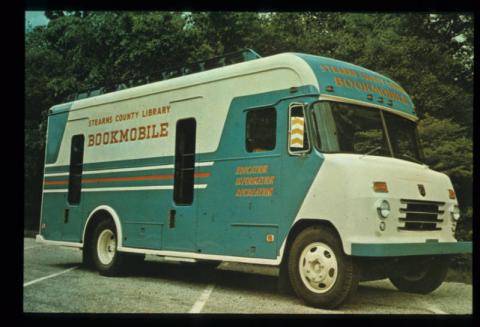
(125, 179)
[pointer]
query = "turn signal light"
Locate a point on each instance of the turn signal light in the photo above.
(380, 187)
(451, 194)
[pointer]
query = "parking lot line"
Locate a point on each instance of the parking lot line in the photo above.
(198, 306)
(436, 310)
(31, 247)
(49, 276)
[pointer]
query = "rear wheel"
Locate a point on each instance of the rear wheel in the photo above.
(320, 273)
(87, 256)
(105, 257)
(423, 276)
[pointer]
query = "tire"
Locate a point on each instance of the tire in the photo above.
(103, 249)
(319, 271)
(422, 277)
(87, 256)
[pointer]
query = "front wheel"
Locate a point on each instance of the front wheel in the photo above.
(320, 273)
(422, 276)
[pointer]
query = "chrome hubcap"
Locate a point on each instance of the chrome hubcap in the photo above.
(318, 267)
(106, 246)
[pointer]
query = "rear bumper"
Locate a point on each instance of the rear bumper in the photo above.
(404, 249)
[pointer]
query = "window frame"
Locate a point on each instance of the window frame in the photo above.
(247, 112)
(75, 177)
(180, 167)
(385, 128)
(306, 133)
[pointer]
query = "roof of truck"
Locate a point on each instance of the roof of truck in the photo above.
(342, 79)
(333, 79)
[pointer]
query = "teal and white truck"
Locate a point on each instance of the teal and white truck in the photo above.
(293, 160)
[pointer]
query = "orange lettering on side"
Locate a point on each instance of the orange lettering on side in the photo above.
(163, 129)
(124, 135)
(338, 81)
(141, 133)
(114, 137)
(98, 139)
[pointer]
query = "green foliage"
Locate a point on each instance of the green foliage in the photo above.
(431, 56)
(443, 141)
(448, 150)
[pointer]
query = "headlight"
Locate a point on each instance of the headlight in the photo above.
(455, 212)
(383, 208)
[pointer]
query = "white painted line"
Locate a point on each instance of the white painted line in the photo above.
(118, 170)
(204, 164)
(56, 174)
(198, 306)
(56, 191)
(49, 276)
(436, 310)
(31, 247)
(132, 188)
(432, 308)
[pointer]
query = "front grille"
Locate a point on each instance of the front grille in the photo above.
(418, 215)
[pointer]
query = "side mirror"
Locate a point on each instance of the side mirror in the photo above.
(297, 131)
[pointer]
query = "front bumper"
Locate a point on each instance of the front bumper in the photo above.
(405, 249)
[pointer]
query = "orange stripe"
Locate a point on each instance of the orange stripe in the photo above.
(55, 182)
(201, 175)
(125, 179)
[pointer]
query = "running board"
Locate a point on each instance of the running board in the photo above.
(178, 259)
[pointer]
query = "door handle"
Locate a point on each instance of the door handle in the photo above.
(171, 218)
(65, 216)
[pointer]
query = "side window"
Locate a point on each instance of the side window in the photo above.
(298, 136)
(76, 165)
(184, 161)
(261, 130)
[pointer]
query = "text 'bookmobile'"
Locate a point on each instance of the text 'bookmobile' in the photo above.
(293, 160)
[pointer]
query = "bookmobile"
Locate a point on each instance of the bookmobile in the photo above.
(298, 161)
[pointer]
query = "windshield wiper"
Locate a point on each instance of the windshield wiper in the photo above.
(372, 151)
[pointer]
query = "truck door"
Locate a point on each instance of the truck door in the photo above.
(239, 210)
(181, 221)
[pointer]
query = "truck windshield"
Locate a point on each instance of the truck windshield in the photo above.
(349, 128)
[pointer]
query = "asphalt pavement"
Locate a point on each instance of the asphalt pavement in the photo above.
(54, 281)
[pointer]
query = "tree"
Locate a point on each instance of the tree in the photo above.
(447, 150)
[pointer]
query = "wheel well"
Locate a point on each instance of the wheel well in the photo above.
(302, 225)
(97, 217)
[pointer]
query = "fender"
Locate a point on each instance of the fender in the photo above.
(309, 222)
(115, 218)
